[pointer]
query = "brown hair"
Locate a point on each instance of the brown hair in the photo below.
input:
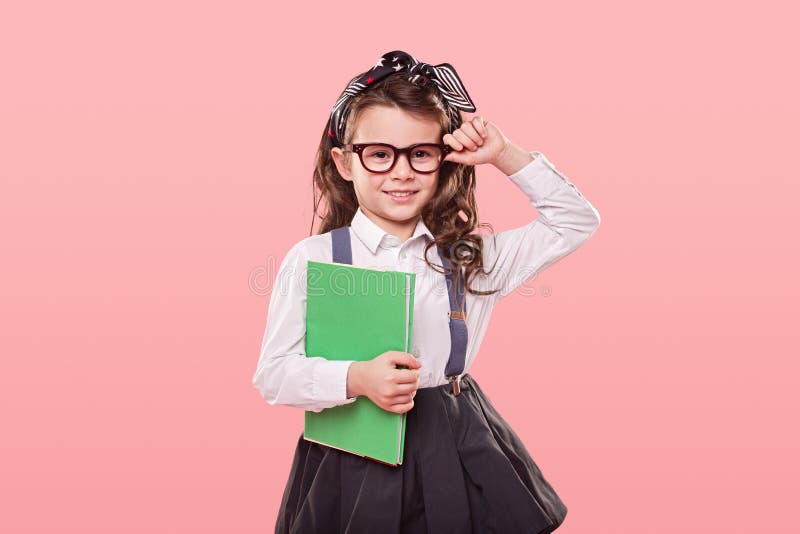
(452, 213)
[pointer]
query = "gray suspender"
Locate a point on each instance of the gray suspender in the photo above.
(342, 253)
(458, 326)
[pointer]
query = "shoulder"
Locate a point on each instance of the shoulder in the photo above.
(315, 248)
(292, 271)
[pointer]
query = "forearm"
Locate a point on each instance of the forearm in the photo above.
(512, 159)
(296, 380)
(565, 219)
(558, 202)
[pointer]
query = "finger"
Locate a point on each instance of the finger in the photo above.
(401, 400)
(401, 408)
(480, 126)
(463, 157)
(469, 128)
(404, 358)
(453, 142)
(406, 389)
(407, 376)
(465, 140)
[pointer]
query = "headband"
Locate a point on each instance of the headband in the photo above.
(441, 77)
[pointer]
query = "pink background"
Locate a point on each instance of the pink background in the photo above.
(156, 161)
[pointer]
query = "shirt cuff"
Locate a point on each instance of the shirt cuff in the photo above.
(539, 178)
(330, 381)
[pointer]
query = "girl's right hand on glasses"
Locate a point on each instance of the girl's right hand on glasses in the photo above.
(475, 142)
(387, 386)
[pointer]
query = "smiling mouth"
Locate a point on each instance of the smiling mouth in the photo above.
(401, 195)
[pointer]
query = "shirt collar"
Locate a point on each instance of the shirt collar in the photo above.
(371, 234)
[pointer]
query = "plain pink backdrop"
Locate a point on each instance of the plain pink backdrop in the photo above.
(156, 160)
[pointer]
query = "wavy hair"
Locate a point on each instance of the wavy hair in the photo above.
(452, 213)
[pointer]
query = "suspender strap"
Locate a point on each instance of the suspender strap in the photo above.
(458, 324)
(342, 253)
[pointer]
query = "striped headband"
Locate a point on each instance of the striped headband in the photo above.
(442, 77)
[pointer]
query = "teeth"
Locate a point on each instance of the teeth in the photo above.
(400, 194)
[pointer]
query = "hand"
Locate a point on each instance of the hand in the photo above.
(379, 379)
(476, 141)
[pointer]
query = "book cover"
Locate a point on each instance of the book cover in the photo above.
(358, 313)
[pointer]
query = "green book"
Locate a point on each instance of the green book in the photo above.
(357, 313)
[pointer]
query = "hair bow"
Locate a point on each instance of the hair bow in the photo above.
(442, 77)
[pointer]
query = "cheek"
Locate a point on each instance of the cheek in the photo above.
(366, 184)
(430, 187)
(376, 183)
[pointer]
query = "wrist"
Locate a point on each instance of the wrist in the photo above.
(353, 383)
(512, 159)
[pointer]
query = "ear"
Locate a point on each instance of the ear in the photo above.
(338, 159)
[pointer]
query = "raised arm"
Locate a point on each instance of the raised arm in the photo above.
(565, 220)
(284, 374)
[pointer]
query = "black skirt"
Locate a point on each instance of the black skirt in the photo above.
(464, 470)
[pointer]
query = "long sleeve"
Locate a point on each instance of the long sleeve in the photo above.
(284, 374)
(565, 220)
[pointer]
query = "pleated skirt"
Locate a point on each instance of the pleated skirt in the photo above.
(464, 470)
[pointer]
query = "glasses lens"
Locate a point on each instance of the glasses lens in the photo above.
(377, 158)
(424, 158)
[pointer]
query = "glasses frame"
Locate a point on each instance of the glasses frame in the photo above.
(358, 148)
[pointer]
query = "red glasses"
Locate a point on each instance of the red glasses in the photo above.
(380, 157)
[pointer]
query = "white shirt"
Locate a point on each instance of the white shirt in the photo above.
(285, 375)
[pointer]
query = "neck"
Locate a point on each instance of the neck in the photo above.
(403, 230)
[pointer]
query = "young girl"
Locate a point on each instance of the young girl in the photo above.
(395, 168)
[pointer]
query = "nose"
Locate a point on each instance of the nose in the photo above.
(402, 167)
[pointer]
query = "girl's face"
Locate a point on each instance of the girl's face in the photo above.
(382, 124)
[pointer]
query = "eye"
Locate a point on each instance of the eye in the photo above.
(378, 154)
